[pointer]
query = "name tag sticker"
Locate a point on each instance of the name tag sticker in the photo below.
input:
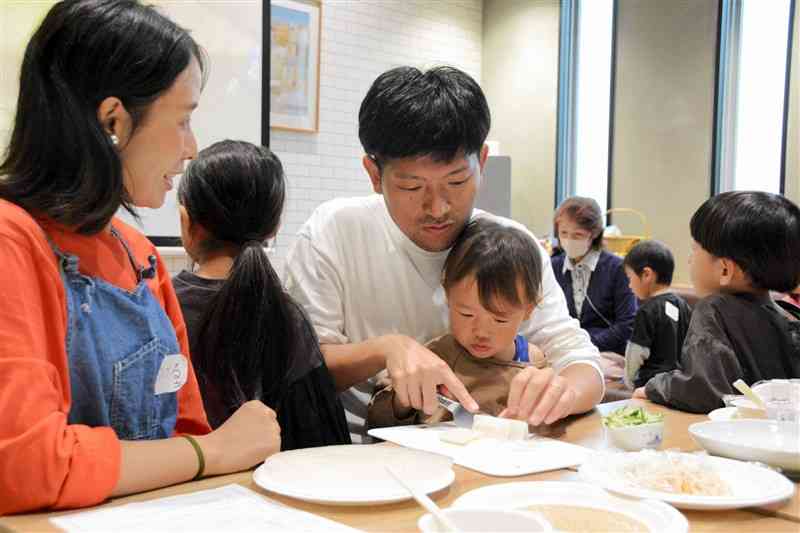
(672, 311)
(172, 375)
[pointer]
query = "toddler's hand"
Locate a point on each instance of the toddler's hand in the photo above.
(539, 395)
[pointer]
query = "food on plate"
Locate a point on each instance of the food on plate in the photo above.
(575, 519)
(631, 416)
(487, 426)
(677, 473)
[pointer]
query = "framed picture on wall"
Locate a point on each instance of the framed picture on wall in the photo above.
(294, 65)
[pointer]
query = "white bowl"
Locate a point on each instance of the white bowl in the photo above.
(782, 397)
(590, 500)
(635, 438)
(766, 441)
(768, 391)
(496, 520)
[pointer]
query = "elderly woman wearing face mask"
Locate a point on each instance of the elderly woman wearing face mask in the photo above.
(593, 280)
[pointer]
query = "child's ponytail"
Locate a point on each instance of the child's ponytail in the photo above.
(235, 191)
(245, 332)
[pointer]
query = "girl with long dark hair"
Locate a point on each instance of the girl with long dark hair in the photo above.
(249, 339)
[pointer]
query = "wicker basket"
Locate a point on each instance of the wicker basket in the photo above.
(620, 245)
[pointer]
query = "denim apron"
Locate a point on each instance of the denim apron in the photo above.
(116, 343)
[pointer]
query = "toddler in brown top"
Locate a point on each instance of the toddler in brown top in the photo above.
(493, 279)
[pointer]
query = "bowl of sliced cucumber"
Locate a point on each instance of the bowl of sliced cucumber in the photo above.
(632, 428)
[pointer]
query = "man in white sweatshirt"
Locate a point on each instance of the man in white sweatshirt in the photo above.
(367, 270)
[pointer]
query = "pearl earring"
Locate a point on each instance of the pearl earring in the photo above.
(114, 139)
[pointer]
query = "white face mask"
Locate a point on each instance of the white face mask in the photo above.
(575, 248)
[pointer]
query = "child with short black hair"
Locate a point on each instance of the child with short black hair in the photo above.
(745, 244)
(662, 319)
(493, 281)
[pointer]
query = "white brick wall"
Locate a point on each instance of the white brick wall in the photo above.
(360, 40)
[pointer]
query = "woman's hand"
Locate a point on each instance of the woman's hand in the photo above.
(639, 393)
(247, 438)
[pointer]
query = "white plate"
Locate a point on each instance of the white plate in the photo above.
(751, 485)
(656, 515)
(353, 474)
(489, 456)
(766, 441)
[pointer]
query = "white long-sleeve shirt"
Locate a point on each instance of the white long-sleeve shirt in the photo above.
(358, 276)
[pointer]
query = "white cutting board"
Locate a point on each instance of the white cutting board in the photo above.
(489, 456)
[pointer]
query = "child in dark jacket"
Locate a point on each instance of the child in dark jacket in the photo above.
(745, 244)
(662, 319)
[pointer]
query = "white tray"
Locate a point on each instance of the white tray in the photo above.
(489, 456)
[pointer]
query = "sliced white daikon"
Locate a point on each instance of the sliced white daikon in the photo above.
(500, 428)
(459, 436)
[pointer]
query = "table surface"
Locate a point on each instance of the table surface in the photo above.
(585, 430)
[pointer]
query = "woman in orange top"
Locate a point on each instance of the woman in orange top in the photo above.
(95, 380)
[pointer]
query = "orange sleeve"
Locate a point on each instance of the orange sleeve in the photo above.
(191, 413)
(44, 461)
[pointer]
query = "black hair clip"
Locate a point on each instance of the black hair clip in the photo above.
(149, 272)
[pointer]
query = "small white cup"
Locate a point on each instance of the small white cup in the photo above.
(481, 520)
(783, 404)
(635, 438)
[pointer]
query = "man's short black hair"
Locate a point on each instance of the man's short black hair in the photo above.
(653, 254)
(759, 231)
(440, 113)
